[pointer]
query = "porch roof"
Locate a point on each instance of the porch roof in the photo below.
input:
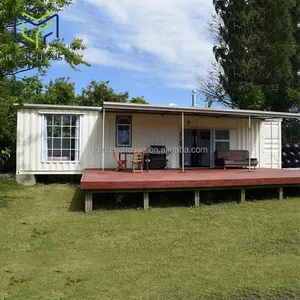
(213, 112)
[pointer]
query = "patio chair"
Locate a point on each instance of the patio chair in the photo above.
(121, 163)
(138, 159)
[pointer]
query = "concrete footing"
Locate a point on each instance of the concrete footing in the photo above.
(28, 180)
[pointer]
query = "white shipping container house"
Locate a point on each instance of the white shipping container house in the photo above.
(54, 139)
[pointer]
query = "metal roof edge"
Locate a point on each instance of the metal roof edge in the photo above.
(195, 110)
(58, 107)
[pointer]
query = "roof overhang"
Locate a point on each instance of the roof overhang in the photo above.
(59, 107)
(169, 110)
(209, 112)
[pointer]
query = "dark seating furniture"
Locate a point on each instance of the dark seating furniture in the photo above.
(234, 159)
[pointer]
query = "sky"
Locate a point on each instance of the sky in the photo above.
(150, 48)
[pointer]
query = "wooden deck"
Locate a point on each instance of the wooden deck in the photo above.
(95, 180)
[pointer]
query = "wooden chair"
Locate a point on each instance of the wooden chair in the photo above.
(121, 163)
(138, 159)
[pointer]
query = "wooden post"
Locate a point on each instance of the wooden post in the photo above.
(197, 198)
(281, 193)
(88, 202)
(243, 195)
(146, 200)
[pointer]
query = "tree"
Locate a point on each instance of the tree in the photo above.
(11, 91)
(16, 58)
(98, 92)
(138, 100)
(255, 55)
(59, 91)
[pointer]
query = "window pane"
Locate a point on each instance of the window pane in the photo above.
(66, 144)
(123, 121)
(72, 146)
(73, 132)
(222, 135)
(72, 155)
(124, 135)
(66, 131)
(49, 131)
(66, 155)
(49, 143)
(74, 120)
(56, 131)
(222, 146)
(62, 140)
(56, 143)
(49, 120)
(58, 120)
(67, 120)
(49, 154)
(56, 153)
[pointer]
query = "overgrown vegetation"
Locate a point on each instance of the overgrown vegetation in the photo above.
(51, 250)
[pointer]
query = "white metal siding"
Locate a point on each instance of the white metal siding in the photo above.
(147, 129)
(29, 143)
(272, 144)
(165, 130)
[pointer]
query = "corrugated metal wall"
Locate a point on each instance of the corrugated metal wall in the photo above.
(165, 130)
(29, 143)
(147, 130)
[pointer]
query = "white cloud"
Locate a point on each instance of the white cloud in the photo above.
(167, 38)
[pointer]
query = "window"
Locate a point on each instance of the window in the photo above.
(123, 131)
(61, 138)
(222, 140)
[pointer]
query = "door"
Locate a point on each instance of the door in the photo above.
(272, 144)
(197, 144)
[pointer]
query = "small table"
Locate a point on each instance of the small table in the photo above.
(131, 153)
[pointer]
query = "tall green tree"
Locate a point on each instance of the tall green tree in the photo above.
(98, 92)
(59, 91)
(138, 100)
(255, 55)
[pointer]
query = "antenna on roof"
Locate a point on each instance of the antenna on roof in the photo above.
(194, 98)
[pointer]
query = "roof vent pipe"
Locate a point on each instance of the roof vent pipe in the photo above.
(194, 98)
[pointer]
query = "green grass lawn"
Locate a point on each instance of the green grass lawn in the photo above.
(225, 251)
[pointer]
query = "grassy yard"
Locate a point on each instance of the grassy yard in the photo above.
(225, 251)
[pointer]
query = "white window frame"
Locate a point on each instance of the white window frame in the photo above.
(78, 138)
(117, 130)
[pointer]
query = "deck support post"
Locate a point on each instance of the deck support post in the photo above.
(146, 200)
(249, 142)
(197, 198)
(88, 202)
(103, 140)
(243, 195)
(182, 142)
(281, 193)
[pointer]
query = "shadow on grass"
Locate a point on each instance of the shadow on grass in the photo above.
(59, 179)
(10, 185)
(6, 187)
(118, 201)
(172, 199)
(77, 203)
